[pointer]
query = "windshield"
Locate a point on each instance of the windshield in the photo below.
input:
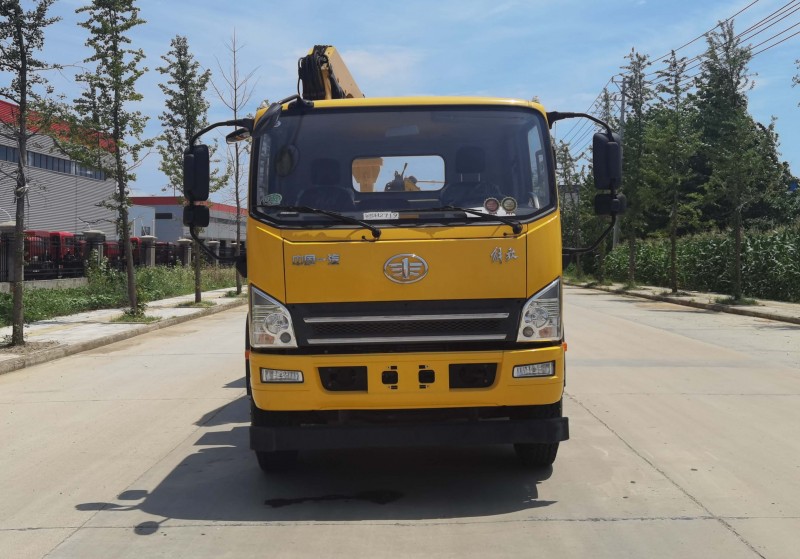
(384, 165)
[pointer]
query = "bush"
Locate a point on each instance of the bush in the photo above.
(107, 290)
(770, 263)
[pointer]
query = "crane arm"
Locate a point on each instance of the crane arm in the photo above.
(324, 75)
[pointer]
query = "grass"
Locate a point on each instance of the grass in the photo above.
(106, 290)
(744, 301)
(196, 305)
(135, 318)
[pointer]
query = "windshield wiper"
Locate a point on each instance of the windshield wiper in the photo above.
(376, 233)
(513, 223)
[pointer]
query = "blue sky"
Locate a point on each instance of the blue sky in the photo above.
(562, 51)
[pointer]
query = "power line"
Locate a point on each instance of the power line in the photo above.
(790, 7)
(706, 33)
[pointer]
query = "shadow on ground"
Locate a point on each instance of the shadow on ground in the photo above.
(221, 481)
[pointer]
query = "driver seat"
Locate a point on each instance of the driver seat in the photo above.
(327, 192)
(470, 170)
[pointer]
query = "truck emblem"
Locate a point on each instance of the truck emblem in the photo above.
(405, 268)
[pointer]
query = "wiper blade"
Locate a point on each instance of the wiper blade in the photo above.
(515, 225)
(376, 233)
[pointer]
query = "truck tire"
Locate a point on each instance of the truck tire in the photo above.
(272, 461)
(539, 455)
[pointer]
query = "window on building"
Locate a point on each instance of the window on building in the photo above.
(163, 215)
(42, 161)
(8, 153)
(89, 172)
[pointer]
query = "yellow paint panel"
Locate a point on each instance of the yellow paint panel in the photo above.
(265, 259)
(544, 252)
(456, 269)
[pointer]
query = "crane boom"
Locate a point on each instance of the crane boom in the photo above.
(324, 75)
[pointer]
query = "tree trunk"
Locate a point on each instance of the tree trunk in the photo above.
(631, 258)
(737, 254)
(673, 245)
(198, 287)
(18, 273)
(126, 243)
(601, 262)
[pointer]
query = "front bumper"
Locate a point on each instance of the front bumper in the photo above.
(408, 393)
(490, 432)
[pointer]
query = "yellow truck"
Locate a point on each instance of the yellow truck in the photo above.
(404, 263)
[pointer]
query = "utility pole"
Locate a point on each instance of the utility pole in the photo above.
(615, 233)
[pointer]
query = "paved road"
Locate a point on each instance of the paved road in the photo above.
(685, 443)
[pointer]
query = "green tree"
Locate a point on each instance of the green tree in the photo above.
(235, 93)
(735, 145)
(673, 141)
(21, 39)
(567, 178)
(185, 114)
(106, 131)
(594, 225)
(638, 93)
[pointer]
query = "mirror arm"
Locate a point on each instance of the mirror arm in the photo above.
(242, 122)
(571, 251)
(554, 116)
(194, 235)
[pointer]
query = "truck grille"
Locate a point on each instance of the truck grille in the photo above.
(381, 323)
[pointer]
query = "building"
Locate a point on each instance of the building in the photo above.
(169, 220)
(63, 195)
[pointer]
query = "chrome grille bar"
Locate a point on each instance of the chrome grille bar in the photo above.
(404, 318)
(406, 339)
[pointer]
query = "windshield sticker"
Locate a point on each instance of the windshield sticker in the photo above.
(491, 205)
(380, 215)
(271, 200)
(509, 204)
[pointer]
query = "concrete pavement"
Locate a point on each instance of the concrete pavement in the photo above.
(66, 335)
(763, 308)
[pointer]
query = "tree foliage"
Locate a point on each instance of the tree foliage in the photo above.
(184, 115)
(638, 93)
(21, 39)
(107, 132)
(185, 110)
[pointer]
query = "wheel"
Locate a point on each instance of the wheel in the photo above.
(278, 460)
(538, 455)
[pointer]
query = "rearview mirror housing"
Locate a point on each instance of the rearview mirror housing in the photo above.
(196, 216)
(608, 204)
(607, 160)
(196, 173)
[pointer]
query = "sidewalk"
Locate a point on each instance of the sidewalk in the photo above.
(66, 335)
(770, 310)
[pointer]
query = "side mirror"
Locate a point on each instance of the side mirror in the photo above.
(238, 135)
(608, 204)
(196, 173)
(607, 161)
(196, 216)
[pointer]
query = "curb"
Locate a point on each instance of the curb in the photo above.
(695, 304)
(58, 352)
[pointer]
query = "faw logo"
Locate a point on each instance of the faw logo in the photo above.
(405, 268)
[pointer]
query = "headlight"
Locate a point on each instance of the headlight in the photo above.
(541, 316)
(270, 322)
